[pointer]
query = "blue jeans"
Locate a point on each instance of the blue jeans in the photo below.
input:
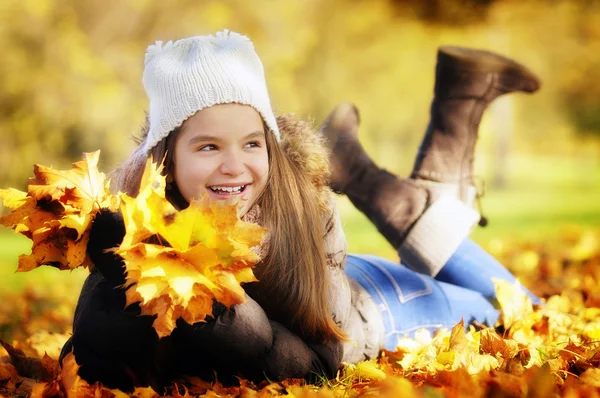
(409, 301)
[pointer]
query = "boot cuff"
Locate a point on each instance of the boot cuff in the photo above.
(436, 235)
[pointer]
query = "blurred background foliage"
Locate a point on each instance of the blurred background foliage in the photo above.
(70, 81)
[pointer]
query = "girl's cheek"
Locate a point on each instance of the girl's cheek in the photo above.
(201, 170)
(262, 163)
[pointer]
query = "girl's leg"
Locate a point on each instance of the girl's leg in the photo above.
(437, 245)
(428, 216)
(473, 268)
(466, 82)
(409, 301)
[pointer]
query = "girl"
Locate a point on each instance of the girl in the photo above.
(211, 120)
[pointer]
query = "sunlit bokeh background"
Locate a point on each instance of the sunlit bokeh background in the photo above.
(70, 82)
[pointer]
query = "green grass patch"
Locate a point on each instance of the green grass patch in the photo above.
(11, 246)
(543, 196)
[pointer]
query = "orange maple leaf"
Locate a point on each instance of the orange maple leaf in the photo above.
(205, 254)
(56, 213)
(68, 383)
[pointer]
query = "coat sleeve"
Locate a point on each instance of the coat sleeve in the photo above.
(243, 342)
(112, 345)
(353, 309)
(291, 357)
(232, 344)
(336, 246)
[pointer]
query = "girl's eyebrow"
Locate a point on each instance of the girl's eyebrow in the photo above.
(204, 138)
(256, 134)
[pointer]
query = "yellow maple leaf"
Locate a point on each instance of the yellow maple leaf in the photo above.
(81, 187)
(493, 344)
(514, 303)
(143, 214)
(364, 370)
(420, 352)
(204, 252)
(56, 213)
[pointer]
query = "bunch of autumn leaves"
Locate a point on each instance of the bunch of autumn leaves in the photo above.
(205, 251)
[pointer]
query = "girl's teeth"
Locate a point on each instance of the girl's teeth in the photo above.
(228, 189)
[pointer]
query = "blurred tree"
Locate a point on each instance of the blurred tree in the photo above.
(445, 12)
(582, 85)
(61, 93)
(71, 70)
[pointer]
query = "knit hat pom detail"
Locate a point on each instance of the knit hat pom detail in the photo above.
(224, 39)
(229, 39)
(154, 49)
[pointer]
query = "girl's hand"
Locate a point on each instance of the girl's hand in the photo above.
(107, 232)
(291, 357)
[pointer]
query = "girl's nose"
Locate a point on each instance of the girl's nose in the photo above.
(232, 165)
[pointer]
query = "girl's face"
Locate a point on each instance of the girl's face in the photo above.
(222, 151)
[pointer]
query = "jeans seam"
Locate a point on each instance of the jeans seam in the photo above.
(403, 298)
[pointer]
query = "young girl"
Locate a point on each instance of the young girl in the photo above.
(211, 120)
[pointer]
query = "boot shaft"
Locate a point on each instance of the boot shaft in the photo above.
(467, 81)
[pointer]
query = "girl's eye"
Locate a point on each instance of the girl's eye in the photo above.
(209, 147)
(253, 144)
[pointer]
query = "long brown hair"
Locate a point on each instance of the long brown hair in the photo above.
(293, 276)
(128, 177)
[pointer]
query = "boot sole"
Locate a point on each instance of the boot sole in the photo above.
(472, 60)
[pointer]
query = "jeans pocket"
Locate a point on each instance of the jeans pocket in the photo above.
(406, 284)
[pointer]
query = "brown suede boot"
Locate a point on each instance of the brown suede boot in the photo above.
(467, 81)
(422, 223)
(426, 217)
(393, 204)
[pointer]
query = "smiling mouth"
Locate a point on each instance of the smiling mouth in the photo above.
(221, 190)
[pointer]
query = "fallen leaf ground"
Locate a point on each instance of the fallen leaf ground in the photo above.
(553, 350)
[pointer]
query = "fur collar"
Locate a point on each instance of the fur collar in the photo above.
(305, 147)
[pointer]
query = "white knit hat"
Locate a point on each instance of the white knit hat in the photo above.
(191, 74)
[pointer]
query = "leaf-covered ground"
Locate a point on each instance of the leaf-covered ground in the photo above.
(553, 350)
